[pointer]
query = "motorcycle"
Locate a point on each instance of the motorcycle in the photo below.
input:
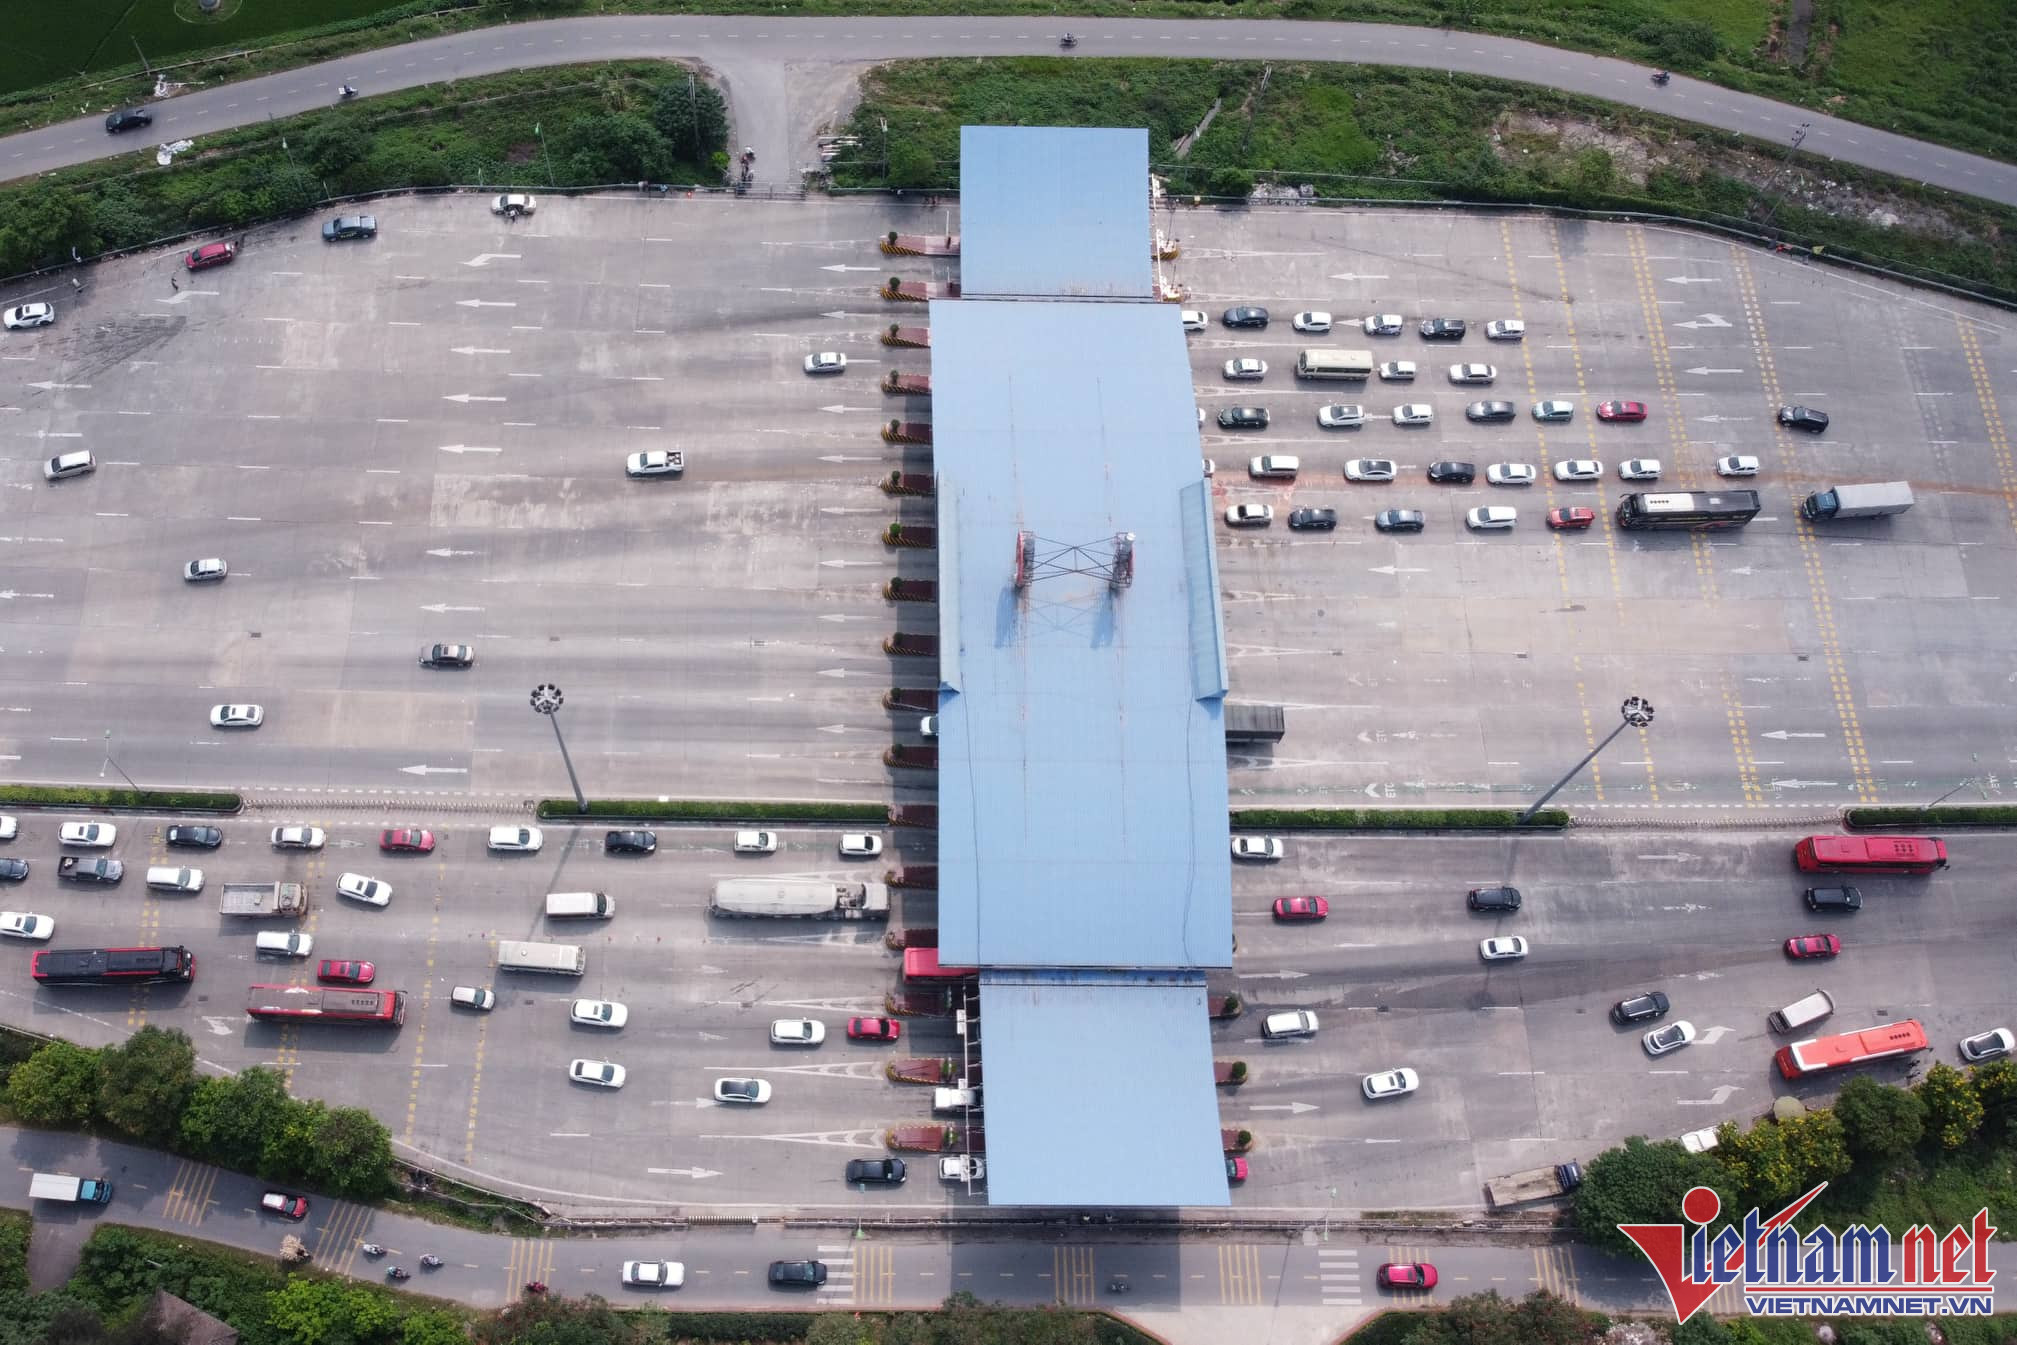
(345, 92)
(1661, 77)
(1068, 41)
(1117, 1286)
(372, 1249)
(430, 1262)
(398, 1273)
(535, 1287)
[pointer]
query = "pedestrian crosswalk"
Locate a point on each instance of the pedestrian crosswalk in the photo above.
(1339, 1277)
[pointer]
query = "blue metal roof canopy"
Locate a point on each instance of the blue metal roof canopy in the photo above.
(1052, 211)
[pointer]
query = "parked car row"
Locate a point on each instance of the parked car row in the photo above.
(1318, 322)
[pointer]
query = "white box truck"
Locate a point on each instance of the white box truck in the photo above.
(75, 1190)
(557, 959)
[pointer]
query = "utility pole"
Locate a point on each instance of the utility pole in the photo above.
(1635, 713)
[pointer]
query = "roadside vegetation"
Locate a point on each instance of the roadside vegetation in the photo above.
(1219, 130)
(1543, 1319)
(146, 1091)
(1937, 69)
(77, 796)
(541, 129)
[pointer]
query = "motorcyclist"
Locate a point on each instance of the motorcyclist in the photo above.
(430, 1260)
(346, 91)
(397, 1272)
(1661, 77)
(535, 1286)
(1068, 41)
(372, 1249)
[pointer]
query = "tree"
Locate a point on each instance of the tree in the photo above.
(1641, 1183)
(1879, 1121)
(620, 148)
(1486, 1319)
(1816, 1149)
(353, 1152)
(55, 1087)
(1701, 1329)
(227, 1120)
(432, 1328)
(552, 1320)
(910, 165)
(1996, 1085)
(145, 1082)
(1881, 1331)
(334, 144)
(41, 227)
(693, 118)
(1953, 1108)
(838, 1328)
(288, 1154)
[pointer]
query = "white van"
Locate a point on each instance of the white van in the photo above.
(579, 906)
(558, 959)
(1294, 1023)
(1275, 464)
(954, 1099)
(1801, 1012)
(284, 943)
(175, 880)
(1353, 365)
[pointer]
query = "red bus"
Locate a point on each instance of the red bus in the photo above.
(112, 966)
(921, 964)
(1870, 854)
(326, 1004)
(1799, 1059)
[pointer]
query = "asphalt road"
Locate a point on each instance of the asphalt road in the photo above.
(776, 99)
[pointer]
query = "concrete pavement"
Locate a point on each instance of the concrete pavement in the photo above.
(773, 110)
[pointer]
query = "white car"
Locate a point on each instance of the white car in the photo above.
(1414, 413)
(654, 1274)
(1390, 1083)
(479, 997)
(1640, 469)
(1511, 474)
(1737, 465)
(1699, 1141)
(750, 1092)
(1258, 847)
(26, 925)
(514, 203)
(1341, 416)
(1505, 329)
(1369, 469)
(797, 1032)
(1210, 466)
(370, 891)
(1247, 515)
(755, 842)
(1248, 368)
(962, 1168)
(298, 838)
(1383, 324)
(825, 362)
(598, 1013)
(91, 835)
(65, 465)
(928, 726)
(10, 827)
(237, 716)
(654, 462)
(1989, 1045)
(1503, 948)
(1195, 320)
(1311, 322)
(601, 1073)
(516, 840)
(205, 571)
(859, 845)
(1672, 1037)
(1554, 410)
(1472, 373)
(28, 315)
(1398, 371)
(1579, 469)
(1491, 517)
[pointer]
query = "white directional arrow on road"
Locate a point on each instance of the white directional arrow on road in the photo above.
(470, 448)
(835, 672)
(842, 457)
(1352, 275)
(836, 409)
(440, 607)
(1721, 1095)
(222, 1027)
(1274, 975)
(1690, 280)
(1706, 320)
(10, 595)
(450, 551)
(837, 564)
(840, 313)
(699, 1174)
(467, 397)
(1718, 420)
(833, 728)
(1783, 734)
(1711, 1035)
(1294, 1108)
(1806, 784)
(434, 770)
(59, 387)
(1679, 857)
(843, 266)
(485, 258)
(1705, 369)
(477, 350)
(845, 509)
(486, 303)
(1391, 570)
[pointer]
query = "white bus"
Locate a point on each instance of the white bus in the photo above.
(1356, 365)
(561, 959)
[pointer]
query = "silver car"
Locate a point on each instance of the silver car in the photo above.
(1341, 416)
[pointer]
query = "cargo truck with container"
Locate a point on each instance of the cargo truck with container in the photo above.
(73, 1190)
(800, 899)
(264, 901)
(1868, 501)
(1542, 1183)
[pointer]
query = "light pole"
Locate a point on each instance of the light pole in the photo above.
(116, 766)
(546, 700)
(1974, 757)
(1635, 713)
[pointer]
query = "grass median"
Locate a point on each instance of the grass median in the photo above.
(713, 810)
(149, 800)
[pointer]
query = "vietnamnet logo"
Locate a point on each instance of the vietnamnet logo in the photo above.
(1858, 1272)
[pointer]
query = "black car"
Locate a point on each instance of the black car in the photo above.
(629, 842)
(1453, 473)
(1244, 418)
(447, 656)
(1399, 520)
(810, 1274)
(1493, 899)
(1640, 1008)
(194, 838)
(1442, 329)
(1489, 411)
(1834, 899)
(13, 870)
(1803, 418)
(876, 1171)
(1245, 317)
(349, 226)
(127, 118)
(1313, 518)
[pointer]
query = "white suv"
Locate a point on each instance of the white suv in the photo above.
(1491, 517)
(517, 840)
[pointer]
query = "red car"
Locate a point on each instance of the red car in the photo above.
(1813, 945)
(1407, 1275)
(874, 1029)
(1301, 908)
(1571, 520)
(407, 840)
(345, 973)
(1236, 1169)
(1621, 410)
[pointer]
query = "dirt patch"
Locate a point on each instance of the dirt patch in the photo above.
(1798, 29)
(1520, 136)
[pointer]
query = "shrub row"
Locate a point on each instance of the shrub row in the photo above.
(1964, 815)
(1399, 819)
(152, 800)
(715, 810)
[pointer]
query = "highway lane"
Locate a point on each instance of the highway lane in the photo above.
(776, 112)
